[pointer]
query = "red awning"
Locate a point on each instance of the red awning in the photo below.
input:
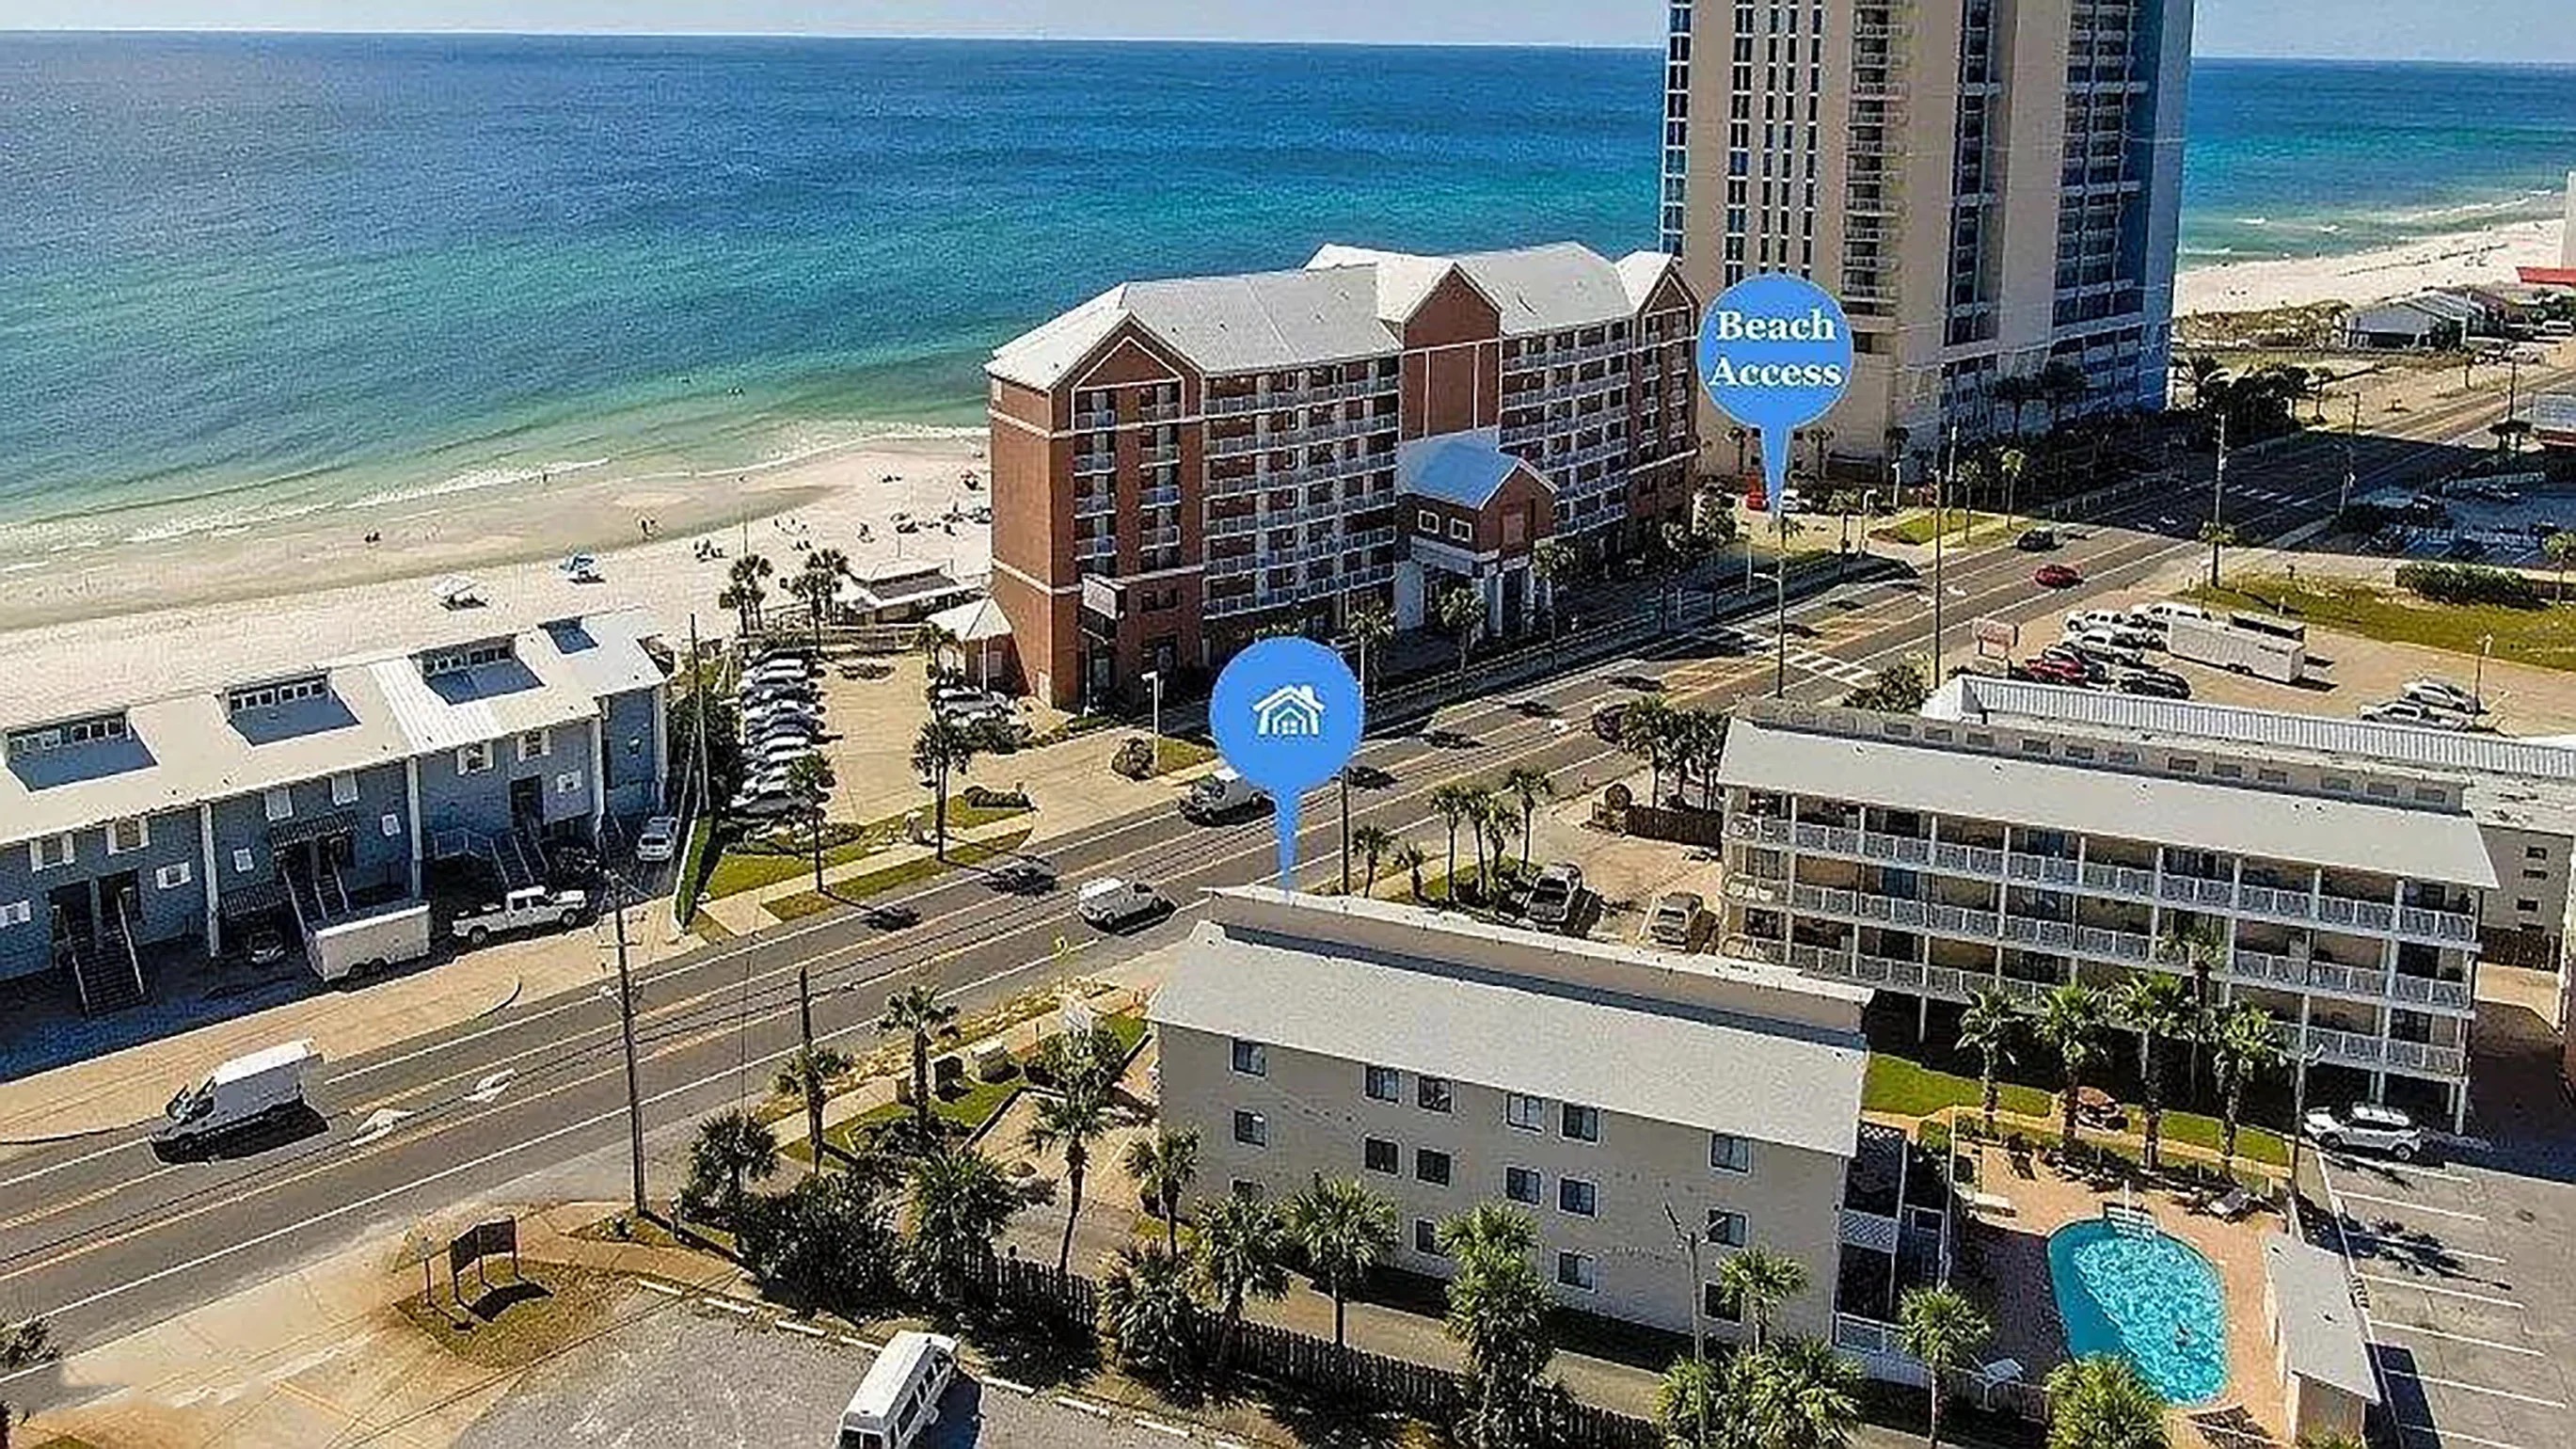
(2548, 276)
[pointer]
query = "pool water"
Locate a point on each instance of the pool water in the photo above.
(2147, 1297)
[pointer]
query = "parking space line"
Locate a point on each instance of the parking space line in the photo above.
(2461, 1338)
(2409, 1203)
(1010, 1385)
(2444, 1249)
(2468, 1388)
(2423, 1287)
(807, 1329)
(1158, 1426)
(1081, 1407)
(2454, 1436)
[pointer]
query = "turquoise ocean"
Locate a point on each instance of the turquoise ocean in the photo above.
(246, 276)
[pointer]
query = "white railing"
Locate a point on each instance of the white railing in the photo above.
(1104, 418)
(1368, 578)
(2347, 980)
(1868, 1230)
(1758, 827)
(2418, 1056)
(1162, 457)
(1088, 465)
(1754, 892)
(2117, 945)
(1964, 921)
(2437, 925)
(1167, 496)
(2430, 991)
(1968, 859)
(1840, 840)
(1094, 505)
(1105, 546)
(1160, 413)
(2273, 901)
(2346, 1046)
(1239, 446)
(1160, 538)
(1904, 849)
(2056, 869)
(2057, 935)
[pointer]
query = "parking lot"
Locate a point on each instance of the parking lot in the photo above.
(2460, 1259)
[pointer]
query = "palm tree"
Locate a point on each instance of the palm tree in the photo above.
(2062, 385)
(803, 1076)
(2320, 381)
(2218, 536)
(1073, 1117)
(1528, 785)
(917, 1012)
(1462, 613)
(731, 1149)
(1992, 1028)
(1410, 859)
(809, 781)
(1162, 1164)
(2102, 1403)
(1145, 1309)
(1242, 1252)
(1455, 803)
(2197, 946)
(1757, 1281)
(743, 593)
(1646, 730)
(960, 1202)
(815, 589)
(1940, 1329)
(1553, 560)
(2561, 547)
(2071, 1019)
(1370, 627)
(2245, 1045)
(934, 642)
(2158, 1008)
(2010, 464)
(2014, 394)
(1800, 1394)
(1970, 475)
(940, 748)
(1498, 1314)
(1344, 1229)
(1494, 814)
(1372, 843)
(1687, 1401)
(22, 1346)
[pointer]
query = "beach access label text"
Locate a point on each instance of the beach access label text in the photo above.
(1775, 353)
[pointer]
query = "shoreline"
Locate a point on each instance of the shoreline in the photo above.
(2484, 254)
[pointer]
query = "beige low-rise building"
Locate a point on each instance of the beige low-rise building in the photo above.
(1609, 1092)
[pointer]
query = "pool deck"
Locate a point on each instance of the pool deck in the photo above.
(2005, 1263)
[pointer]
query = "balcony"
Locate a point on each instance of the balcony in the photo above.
(2448, 927)
(1235, 527)
(1160, 413)
(2051, 935)
(1868, 1230)
(1167, 496)
(1761, 828)
(1095, 505)
(1228, 566)
(1346, 428)
(1241, 445)
(1902, 849)
(1755, 891)
(1163, 457)
(2430, 991)
(1833, 839)
(1093, 465)
(1104, 546)
(2052, 869)
(2120, 880)
(1092, 421)
(2364, 915)
(1967, 859)
(1368, 578)
(1546, 357)
(1154, 538)
(1369, 538)
(2191, 890)
(2131, 946)
(2281, 905)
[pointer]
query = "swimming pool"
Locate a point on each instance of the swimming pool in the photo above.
(2150, 1298)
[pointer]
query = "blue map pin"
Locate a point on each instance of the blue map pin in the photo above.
(1287, 715)
(1776, 354)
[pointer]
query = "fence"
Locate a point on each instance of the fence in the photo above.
(1296, 1363)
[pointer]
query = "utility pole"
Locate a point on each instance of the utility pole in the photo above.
(1780, 592)
(698, 692)
(1699, 1331)
(626, 1018)
(1940, 521)
(2351, 459)
(807, 1080)
(2218, 500)
(1346, 830)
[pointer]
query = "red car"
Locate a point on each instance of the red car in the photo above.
(2057, 576)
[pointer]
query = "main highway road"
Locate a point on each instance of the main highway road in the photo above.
(101, 1236)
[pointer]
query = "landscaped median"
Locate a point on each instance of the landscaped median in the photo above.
(789, 851)
(893, 877)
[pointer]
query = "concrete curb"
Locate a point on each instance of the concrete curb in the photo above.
(518, 984)
(54, 1139)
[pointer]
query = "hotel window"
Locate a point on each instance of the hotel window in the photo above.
(2272, 777)
(171, 877)
(1719, 1305)
(1581, 1199)
(1251, 1130)
(344, 789)
(474, 759)
(127, 835)
(1383, 1084)
(1729, 1153)
(1575, 1270)
(568, 783)
(535, 745)
(392, 825)
(2340, 784)
(243, 862)
(1581, 1124)
(1527, 1113)
(49, 854)
(1426, 1237)
(1250, 1060)
(2535, 852)
(1378, 1155)
(1431, 1166)
(1428, 522)
(279, 802)
(1521, 1184)
(17, 913)
(2527, 907)
(1432, 1094)
(2529, 874)
(1725, 1229)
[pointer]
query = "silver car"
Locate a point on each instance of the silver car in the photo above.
(1677, 921)
(2366, 1127)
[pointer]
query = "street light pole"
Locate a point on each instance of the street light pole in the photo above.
(807, 1082)
(1154, 681)
(2351, 459)
(2478, 691)
(2299, 1120)
(1780, 593)
(2218, 500)
(1940, 520)
(626, 1018)
(1699, 1331)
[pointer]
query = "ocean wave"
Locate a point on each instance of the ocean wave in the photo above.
(214, 524)
(474, 481)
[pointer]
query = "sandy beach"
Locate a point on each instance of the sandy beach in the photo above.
(2489, 255)
(129, 620)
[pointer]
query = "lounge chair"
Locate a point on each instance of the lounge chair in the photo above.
(2231, 1205)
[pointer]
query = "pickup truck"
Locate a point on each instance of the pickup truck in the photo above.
(521, 910)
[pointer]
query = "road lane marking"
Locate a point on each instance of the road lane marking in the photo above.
(2388, 1323)
(2467, 1388)
(1158, 1426)
(2423, 1287)
(807, 1329)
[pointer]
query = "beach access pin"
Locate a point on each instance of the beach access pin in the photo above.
(1286, 714)
(1776, 354)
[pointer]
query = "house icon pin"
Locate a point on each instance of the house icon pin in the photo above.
(1292, 711)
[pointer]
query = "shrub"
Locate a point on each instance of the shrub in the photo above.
(2446, 583)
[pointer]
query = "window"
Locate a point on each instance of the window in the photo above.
(2529, 874)
(568, 783)
(1378, 1155)
(1384, 1084)
(2535, 852)
(2527, 906)
(1249, 1059)
(1582, 1124)
(1575, 1270)
(49, 854)
(1725, 1229)
(2227, 770)
(1527, 1113)
(269, 696)
(1521, 1184)
(1427, 521)
(392, 825)
(457, 661)
(1431, 1166)
(1574, 1195)
(1251, 1129)
(344, 789)
(536, 744)
(2124, 757)
(243, 864)
(474, 759)
(2272, 777)
(1729, 1153)
(17, 913)
(1719, 1305)
(127, 835)
(1459, 532)
(2340, 784)
(1432, 1093)
(1426, 1237)
(171, 877)
(279, 802)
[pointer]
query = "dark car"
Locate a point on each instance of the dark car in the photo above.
(1023, 877)
(2464, 548)
(1607, 719)
(2155, 684)
(2056, 576)
(2037, 540)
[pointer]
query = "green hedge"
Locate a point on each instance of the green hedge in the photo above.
(2445, 583)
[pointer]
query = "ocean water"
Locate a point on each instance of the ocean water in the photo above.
(246, 276)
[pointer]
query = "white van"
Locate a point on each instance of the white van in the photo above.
(238, 1094)
(900, 1395)
(1220, 795)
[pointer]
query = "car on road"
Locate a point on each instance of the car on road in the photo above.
(1554, 895)
(524, 909)
(2153, 684)
(1606, 721)
(2465, 548)
(2441, 694)
(1022, 877)
(2366, 1127)
(2057, 576)
(1221, 795)
(2408, 712)
(1679, 920)
(659, 840)
(1112, 903)
(2036, 540)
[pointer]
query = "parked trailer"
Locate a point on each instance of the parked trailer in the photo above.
(386, 938)
(2264, 654)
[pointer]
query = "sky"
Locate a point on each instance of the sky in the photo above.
(2511, 30)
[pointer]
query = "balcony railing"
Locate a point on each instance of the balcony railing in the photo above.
(2287, 905)
(1095, 505)
(1105, 546)
(2054, 935)
(2448, 926)
(1092, 465)
(1968, 859)
(1167, 496)
(2430, 991)
(1154, 538)
(2058, 870)
(1868, 1230)
(1160, 412)
(1102, 418)
(1162, 457)
(2120, 880)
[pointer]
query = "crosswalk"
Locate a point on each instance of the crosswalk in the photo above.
(1758, 643)
(2263, 495)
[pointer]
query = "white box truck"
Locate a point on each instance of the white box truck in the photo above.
(368, 943)
(2225, 645)
(241, 1093)
(1221, 795)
